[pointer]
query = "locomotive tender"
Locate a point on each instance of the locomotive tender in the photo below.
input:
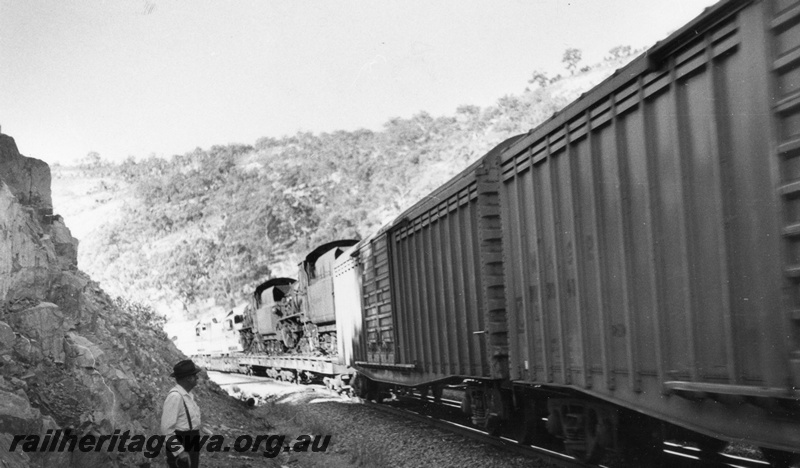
(628, 271)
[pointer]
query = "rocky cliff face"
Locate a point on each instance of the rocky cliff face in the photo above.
(69, 358)
(27, 178)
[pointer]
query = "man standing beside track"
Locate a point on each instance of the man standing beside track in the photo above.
(181, 416)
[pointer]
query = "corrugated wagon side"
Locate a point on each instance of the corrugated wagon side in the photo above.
(433, 287)
(651, 233)
(363, 304)
(364, 316)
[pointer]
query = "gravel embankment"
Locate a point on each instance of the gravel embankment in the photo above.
(360, 436)
(378, 439)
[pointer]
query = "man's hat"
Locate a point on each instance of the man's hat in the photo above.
(184, 368)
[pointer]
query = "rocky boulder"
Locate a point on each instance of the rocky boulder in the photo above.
(69, 357)
(28, 259)
(28, 178)
(16, 414)
(43, 324)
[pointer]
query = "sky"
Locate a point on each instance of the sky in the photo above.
(162, 77)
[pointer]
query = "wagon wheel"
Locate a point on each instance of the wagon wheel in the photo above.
(374, 391)
(360, 386)
(367, 388)
(494, 425)
(524, 422)
(779, 458)
(592, 450)
(533, 429)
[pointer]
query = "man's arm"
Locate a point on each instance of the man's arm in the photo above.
(169, 417)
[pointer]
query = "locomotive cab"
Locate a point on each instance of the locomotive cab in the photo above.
(307, 322)
(258, 330)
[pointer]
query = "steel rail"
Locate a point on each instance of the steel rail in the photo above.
(680, 455)
(477, 435)
(677, 455)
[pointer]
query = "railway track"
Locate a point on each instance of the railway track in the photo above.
(554, 458)
(445, 414)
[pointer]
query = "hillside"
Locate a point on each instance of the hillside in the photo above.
(71, 357)
(201, 229)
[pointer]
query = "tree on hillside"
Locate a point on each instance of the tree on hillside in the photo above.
(571, 59)
(619, 52)
(143, 314)
(212, 223)
(539, 78)
(266, 142)
(92, 159)
(409, 132)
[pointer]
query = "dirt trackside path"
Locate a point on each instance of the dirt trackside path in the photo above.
(360, 436)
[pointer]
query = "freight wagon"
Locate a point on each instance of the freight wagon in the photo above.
(628, 271)
(625, 274)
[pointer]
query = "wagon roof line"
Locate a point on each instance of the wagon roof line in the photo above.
(652, 59)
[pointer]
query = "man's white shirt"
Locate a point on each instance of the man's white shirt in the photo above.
(173, 418)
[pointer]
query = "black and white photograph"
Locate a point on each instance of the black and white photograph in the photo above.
(399, 233)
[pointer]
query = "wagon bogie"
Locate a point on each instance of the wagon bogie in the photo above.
(369, 389)
(645, 241)
(488, 406)
(588, 429)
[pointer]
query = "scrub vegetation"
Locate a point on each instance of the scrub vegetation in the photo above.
(208, 225)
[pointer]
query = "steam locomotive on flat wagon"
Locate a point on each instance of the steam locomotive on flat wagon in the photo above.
(288, 330)
(624, 274)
